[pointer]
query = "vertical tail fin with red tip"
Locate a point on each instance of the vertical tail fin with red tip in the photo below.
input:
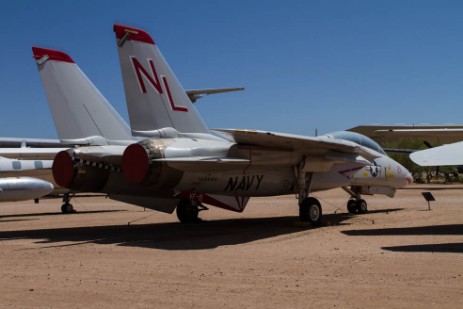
(155, 98)
(82, 115)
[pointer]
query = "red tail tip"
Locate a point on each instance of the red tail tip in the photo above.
(135, 34)
(57, 55)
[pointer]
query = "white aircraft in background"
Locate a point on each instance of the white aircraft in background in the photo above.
(445, 155)
(451, 153)
(25, 172)
(22, 180)
(24, 175)
(181, 164)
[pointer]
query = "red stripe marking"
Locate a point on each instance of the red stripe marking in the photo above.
(172, 104)
(57, 55)
(135, 34)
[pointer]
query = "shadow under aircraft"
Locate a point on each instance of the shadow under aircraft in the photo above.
(448, 229)
(172, 236)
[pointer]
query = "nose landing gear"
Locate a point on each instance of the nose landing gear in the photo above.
(356, 205)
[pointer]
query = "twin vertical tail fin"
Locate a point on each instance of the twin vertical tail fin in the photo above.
(82, 115)
(155, 98)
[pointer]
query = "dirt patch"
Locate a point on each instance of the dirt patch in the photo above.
(113, 255)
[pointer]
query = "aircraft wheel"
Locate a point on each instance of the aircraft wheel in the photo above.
(310, 210)
(352, 206)
(362, 206)
(186, 212)
(67, 208)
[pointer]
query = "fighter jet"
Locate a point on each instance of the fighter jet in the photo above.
(82, 115)
(181, 164)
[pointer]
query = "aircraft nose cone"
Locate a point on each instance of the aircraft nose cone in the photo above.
(409, 179)
(406, 178)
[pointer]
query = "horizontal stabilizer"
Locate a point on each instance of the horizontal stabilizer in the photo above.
(30, 153)
(9, 142)
(196, 94)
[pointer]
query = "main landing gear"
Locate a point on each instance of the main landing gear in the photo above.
(310, 209)
(67, 207)
(188, 210)
(356, 205)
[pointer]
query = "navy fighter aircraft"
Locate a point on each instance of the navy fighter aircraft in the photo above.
(180, 164)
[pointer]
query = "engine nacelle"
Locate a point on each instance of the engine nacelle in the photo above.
(139, 167)
(77, 175)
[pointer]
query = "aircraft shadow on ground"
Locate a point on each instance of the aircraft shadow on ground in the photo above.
(442, 248)
(380, 211)
(173, 236)
(2, 217)
(450, 229)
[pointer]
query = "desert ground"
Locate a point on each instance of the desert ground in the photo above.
(114, 255)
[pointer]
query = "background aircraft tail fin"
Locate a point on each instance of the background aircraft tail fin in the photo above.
(82, 115)
(155, 98)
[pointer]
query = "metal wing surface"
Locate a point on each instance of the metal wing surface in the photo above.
(196, 94)
(200, 164)
(450, 154)
(321, 145)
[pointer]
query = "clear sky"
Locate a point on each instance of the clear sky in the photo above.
(306, 65)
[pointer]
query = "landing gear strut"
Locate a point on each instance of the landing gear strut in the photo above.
(310, 209)
(67, 207)
(356, 205)
(188, 210)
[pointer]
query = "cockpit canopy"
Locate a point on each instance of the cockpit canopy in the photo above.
(357, 138)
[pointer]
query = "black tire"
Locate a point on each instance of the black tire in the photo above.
(186, 212)
(67, 208)
(352, 206)
(310, 210)
(362, 206)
